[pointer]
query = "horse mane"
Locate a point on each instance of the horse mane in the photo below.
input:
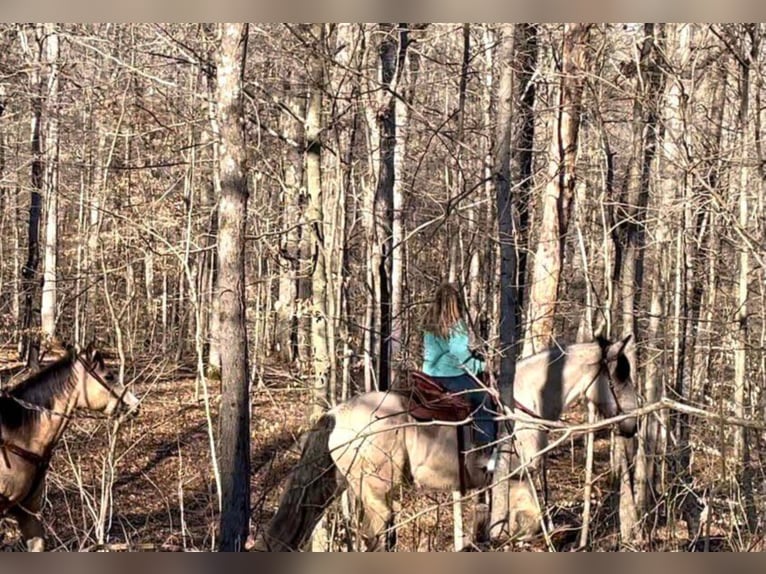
(41, 389)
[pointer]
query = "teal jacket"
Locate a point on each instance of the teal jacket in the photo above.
(449, 357)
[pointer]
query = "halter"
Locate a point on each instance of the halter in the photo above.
(604, 365)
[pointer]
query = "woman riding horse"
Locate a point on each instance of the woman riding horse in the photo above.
(449, 361)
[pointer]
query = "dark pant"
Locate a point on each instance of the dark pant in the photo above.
(485, 428)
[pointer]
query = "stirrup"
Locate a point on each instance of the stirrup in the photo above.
(492, 462)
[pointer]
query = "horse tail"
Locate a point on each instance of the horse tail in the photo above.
(312, 486)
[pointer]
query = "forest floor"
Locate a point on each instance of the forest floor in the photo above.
(149, 484)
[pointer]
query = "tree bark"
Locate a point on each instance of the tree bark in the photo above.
(234, 452)
(518, 53)
(558, 194)
(741, 438)
(30, 281)
(292, 265)
(392, 52)
(51, 148)
(403, 87)
(315, 218)
(629, 235)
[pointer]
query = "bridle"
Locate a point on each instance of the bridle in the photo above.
(604, 367)
(100, 380)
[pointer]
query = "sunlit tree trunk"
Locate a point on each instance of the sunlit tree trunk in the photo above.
(392, 52)
(234, 451)
(629, 237)
(346, 86)
(741, 395)
(372, 310)
(315, 219)
(292, 270)
(558, 193)
(50, 62)
(30, 282)
(512, 154)
(402, 86)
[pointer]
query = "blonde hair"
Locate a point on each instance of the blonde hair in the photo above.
(446, 311)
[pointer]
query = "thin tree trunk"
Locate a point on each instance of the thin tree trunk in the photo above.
(630, 238)
(315, 218)
(291, 266)
(500, 527)
(234, 454)
(373, 307)
(392, 53)
(214, 309)
(30, 319)
(512, 149)
(741, 438)
(348, 90)
(404, 85)
(51, 148)
(558, 194)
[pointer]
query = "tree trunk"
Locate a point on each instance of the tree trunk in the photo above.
(629, 235)
(315, 218)
(685, 293)
(558, 194)
(234, 455)
(392, 52)
(741, 437)
(403, 87)
(51, 148)
(291, 269)
(507, 328)
(518, 54)
(30, 281)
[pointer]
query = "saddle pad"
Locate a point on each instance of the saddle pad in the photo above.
(429, 401)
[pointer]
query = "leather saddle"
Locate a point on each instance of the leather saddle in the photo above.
(429, 401)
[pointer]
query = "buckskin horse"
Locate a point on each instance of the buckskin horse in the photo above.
(33, 416)
(372, 443)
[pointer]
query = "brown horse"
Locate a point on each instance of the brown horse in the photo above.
(33, 416)
(370, 444)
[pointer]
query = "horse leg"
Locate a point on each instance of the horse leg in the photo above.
(32, 530)
(377, 520)
(27, 515)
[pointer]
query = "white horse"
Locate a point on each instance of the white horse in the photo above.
(371, 443)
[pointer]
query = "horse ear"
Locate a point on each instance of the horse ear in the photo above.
(616, 349)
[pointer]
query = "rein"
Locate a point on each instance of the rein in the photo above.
(525, 410)
(38, 460)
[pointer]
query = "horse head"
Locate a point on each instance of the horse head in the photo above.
(613, 391)
(99, 389)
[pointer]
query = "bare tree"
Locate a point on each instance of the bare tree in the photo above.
(512, 149)
(315, 218)
(234, 457)
(558, 194)
(48, 309)
(31, 318)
